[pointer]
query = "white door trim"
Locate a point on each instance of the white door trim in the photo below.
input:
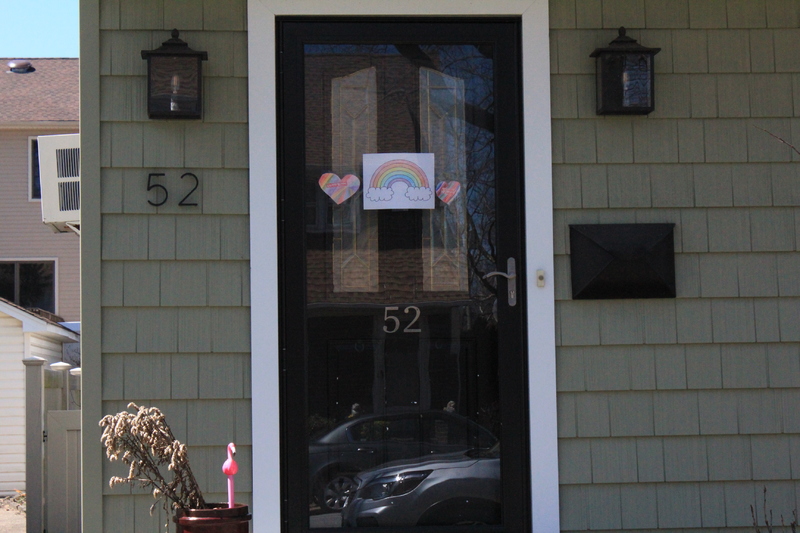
(264, 236)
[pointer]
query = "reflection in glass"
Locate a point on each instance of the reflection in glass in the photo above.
(402, 345)
(636, 81)
(444, 243)
(354, 118)
(8, 281)
(29, 284)
(458, 488)
(36, 285)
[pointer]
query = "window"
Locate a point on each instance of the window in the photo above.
(29, 283)
(34, 185)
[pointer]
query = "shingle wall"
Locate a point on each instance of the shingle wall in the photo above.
(675, 414)
(175, 280)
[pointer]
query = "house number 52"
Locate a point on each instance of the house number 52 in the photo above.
(161, 189)
(393, 323)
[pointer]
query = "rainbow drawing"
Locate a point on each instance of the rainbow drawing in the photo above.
(396, 170)
(398, 181)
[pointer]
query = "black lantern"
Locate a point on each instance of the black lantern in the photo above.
(174, 80)
(625, 79)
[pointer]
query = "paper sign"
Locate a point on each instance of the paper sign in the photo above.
(398, 181)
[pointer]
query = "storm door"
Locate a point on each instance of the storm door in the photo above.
(403, 352)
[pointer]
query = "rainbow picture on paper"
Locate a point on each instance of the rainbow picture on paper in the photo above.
(399, 170)
(398, 181)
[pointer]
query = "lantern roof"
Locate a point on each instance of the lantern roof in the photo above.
(624, 44)
(174, 46)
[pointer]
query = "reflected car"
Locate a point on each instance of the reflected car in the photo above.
(452, 489)
(371, 440)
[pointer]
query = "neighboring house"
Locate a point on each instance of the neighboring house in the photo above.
(38, 268)
(22, 334)
(273, 302)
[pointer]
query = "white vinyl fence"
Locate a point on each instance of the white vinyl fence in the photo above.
(52, 447)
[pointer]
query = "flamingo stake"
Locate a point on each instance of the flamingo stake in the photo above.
(229, 468)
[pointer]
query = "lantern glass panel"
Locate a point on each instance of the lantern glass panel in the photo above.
(605, 76)
(174, 85)
(636, 81)
(625, 83)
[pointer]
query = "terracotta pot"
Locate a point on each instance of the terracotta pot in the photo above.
(219, 518)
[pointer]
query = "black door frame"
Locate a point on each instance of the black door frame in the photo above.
(504, 33)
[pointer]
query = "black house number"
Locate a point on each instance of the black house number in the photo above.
(160, 189)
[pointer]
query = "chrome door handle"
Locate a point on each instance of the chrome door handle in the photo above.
(511, 276)
(507, 276)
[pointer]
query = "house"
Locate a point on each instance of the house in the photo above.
(38, 268)
(23, 334)
(241, 273)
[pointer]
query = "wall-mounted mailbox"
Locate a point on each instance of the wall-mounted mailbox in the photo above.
(622, 261)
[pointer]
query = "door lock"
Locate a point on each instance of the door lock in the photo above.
(511, 277)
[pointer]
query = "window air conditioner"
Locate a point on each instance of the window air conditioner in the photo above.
(60, 175)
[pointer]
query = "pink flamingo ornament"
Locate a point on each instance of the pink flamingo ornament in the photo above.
(229, 468)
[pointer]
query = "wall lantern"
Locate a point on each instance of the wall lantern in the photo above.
(625, 79)
(174, 80)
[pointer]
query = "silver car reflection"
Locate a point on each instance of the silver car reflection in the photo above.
(449, 489)
(370, 441)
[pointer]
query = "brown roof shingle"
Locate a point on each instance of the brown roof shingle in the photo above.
(50, 93)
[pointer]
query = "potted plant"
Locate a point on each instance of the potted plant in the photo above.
(144, 442)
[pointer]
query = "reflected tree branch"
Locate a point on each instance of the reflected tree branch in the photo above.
(473, 114)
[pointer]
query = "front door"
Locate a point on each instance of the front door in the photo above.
(403, 347)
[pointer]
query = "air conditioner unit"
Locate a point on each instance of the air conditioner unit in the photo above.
(60, 176)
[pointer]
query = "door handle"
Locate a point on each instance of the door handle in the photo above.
(511, 277)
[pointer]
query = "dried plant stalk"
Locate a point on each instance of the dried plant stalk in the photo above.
(769, 522)
(781, 139)
(143, 441)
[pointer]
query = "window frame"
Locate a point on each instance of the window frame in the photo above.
(265, 224)
(31, 140)
(402, 432)
(53, 260)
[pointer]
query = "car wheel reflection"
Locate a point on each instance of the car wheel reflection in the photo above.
(336, 491)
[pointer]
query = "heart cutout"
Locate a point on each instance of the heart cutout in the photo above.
(447, 190)
(339, 189)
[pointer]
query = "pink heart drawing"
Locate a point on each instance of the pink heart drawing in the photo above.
(339, 189)
(447, 190)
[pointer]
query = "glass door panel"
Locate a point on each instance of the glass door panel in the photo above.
(405, 343)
